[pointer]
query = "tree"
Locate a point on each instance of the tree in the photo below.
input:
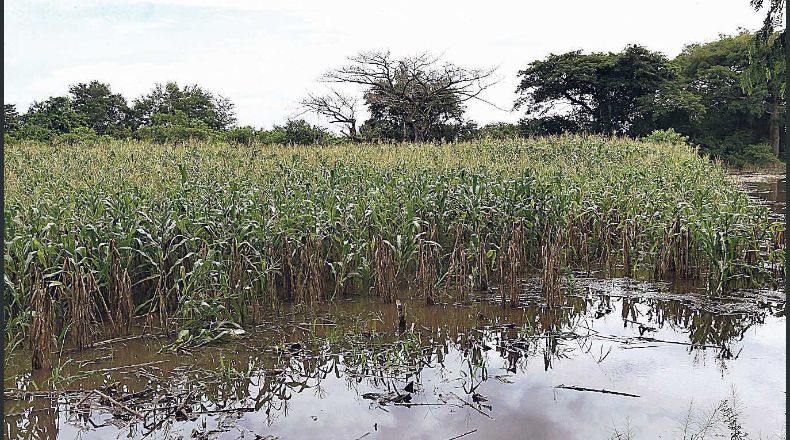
(767, 69)
(773, 17)
(100, 109)
(195, 104)
(601, 92)
(175, 127)
(11, 120)
(48, 118)
(768, 64)
(676, 104)
(412, 94)
(502, 130)
(300, 132)
(733, 119)
(549, 126)
(338, 108)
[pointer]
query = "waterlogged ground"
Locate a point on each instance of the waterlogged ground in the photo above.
(770, 189)
(698, 366)
(612, 358)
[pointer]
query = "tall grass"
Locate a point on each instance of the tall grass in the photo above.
(205, 231)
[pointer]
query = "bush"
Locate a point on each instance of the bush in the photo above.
(78, 136)
(9, 139)
(241, 135)
(668, 136)
(757, 154)
(502, 130)
(276, 135)
(35, 132)
(175, 128)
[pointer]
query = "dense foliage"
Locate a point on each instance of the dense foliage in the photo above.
(726, 95)
(210, 233)
(168, 114)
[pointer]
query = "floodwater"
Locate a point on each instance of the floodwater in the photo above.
(768, 189)
(612, 358)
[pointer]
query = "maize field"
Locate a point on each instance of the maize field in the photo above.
(200, 238)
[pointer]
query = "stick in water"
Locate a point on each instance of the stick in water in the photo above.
(571, 387)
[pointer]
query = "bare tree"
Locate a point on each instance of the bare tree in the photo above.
(338, 108)
(417, 92)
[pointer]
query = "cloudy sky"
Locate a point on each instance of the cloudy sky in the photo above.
(266, 55)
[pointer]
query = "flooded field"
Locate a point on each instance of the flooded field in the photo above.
(611, 358)
(618, 356)
(769, 189)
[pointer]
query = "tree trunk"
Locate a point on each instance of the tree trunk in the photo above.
(352, 131)
(420, 132)
(773, 123)
(418, 136)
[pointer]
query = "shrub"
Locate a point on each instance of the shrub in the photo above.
(668, 136)
(757, 154)
(78, 136)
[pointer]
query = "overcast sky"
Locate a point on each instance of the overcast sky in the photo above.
(266, 55)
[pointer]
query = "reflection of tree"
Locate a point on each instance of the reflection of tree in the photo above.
(705, 327)
(40, 421)
(388, 361)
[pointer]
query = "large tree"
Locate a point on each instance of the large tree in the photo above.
(55, 115)
(768, 65)
(412, 95)
(733, 118)
(197, 105)
(602, 92)
(100, 109)
(774, 17)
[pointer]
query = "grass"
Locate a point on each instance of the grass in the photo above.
(96, 235)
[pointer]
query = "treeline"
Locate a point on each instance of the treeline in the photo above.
(726, 96)
(168, 114)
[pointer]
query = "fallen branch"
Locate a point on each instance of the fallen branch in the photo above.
(119, 404)
(421, 404)
(125, 367)
(571, 387)
(19, 394)
(471, 406)
(462, 435)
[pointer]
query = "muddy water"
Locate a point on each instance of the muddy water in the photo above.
(612, 357)
(769, 189)
(305, 375)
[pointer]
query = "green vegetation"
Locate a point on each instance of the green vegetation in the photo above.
(725, 95)
(203, 235)
(169, 114)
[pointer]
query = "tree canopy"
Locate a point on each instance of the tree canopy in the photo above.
(410, 98)
(190, 103)
(602, 92)
(725, 95)
(99, 109)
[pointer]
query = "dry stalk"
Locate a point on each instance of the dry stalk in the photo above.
(428, 259)
(384, 261)
(120, 294)
(41, 331)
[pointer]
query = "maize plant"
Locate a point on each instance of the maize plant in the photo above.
(96, 236)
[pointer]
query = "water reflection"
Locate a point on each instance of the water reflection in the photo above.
(452, 359)
(772, 191)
